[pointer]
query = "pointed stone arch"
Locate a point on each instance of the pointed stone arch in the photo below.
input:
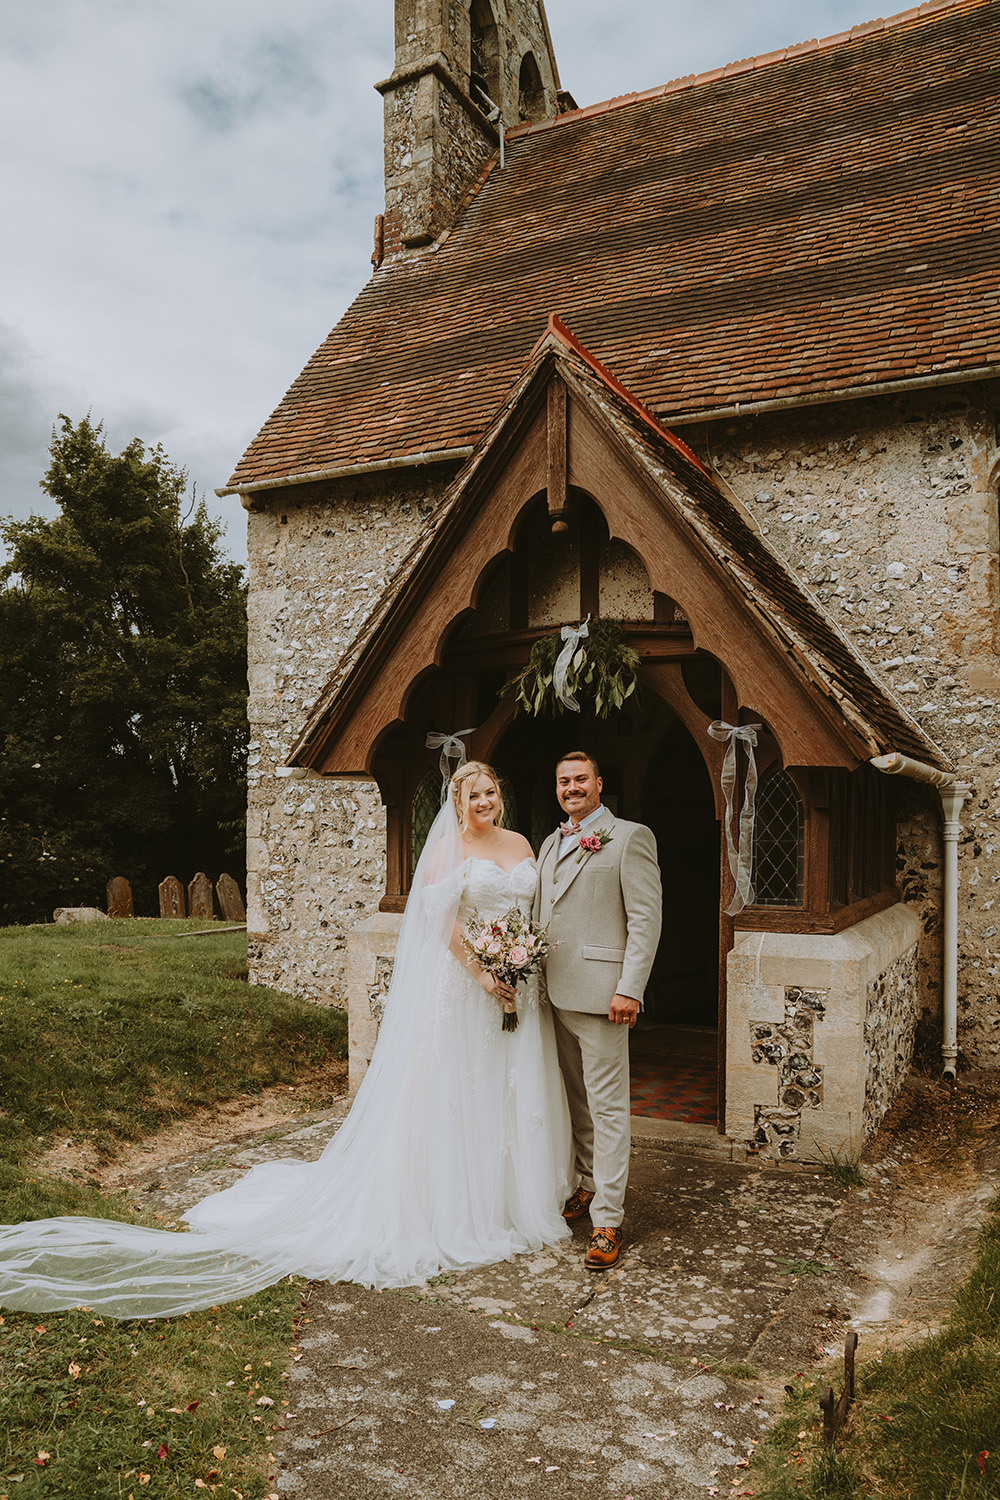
(484, 61)
(531, 102)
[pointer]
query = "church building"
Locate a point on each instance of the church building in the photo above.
(715, 364)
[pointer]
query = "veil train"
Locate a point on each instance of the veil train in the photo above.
(369, 1210)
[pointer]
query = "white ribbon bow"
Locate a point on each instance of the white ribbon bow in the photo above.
(741, 858)
(572, 635)
(451, 748)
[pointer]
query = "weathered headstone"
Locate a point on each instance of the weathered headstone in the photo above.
(171, 897)
(230, 900)
(200, 897)
(66, 914)
(119, 897)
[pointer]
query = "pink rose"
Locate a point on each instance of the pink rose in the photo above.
(493, 948)
(590, 844)
(518, 956)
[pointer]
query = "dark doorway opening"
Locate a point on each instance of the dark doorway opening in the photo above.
(674, 1048)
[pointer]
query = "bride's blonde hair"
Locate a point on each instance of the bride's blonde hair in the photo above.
(461, 788)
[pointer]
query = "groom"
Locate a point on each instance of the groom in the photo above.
(599, 892)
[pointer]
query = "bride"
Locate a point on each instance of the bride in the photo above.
(455, 1152)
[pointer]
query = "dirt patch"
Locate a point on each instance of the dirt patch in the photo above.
(934, 1135)
(223, 1124)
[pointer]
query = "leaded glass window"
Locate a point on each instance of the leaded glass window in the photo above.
(779, 841)
(426, 806)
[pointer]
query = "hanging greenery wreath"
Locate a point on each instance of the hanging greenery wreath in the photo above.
(602, 672)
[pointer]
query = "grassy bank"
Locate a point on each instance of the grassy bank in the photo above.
(926, 1421)
(107, 1033)
(110, 1031)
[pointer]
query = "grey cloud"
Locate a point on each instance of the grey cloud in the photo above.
(274, 74)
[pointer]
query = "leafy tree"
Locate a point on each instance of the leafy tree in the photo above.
(122, 684)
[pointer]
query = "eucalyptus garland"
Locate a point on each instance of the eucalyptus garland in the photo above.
(602, 672)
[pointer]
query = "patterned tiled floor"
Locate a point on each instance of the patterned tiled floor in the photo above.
(674, 1073)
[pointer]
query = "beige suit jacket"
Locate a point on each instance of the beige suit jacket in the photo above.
(604, 911)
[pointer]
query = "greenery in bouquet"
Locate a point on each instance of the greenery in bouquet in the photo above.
(510, 948)
(602, 672)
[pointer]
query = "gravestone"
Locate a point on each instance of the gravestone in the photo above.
(171, 897)
(200, 897)
(119, 897)
(230, 900)
(66, 914)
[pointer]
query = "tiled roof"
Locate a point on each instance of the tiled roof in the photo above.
(820, 221)
(784, 611)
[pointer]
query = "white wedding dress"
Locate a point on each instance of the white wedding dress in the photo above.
(456, 1151)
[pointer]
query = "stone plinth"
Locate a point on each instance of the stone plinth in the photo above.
(371, 949)
(171, 897)
(800, 1080)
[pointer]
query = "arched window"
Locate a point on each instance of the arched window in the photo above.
(530, 93)
(779, 841)
(485, 52)
(427, 804)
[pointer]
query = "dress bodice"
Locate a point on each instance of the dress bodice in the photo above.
(491, 891)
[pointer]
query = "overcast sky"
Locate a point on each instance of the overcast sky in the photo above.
(188, 189)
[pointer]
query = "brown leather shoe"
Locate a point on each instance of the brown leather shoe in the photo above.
(577, 1204)
(605, 1248)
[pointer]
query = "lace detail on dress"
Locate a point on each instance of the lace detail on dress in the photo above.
(491, 891)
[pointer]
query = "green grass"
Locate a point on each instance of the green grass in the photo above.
(100, 1410)
(845, 1171)
(108, 1033)
(926, 1421)
(111, 1031)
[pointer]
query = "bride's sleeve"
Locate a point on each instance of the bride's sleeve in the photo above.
(443, 895)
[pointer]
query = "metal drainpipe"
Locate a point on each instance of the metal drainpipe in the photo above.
(953, 794)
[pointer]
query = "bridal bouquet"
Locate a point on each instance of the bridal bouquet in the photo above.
(510, 948)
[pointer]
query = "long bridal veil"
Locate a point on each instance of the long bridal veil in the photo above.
(368, 1210)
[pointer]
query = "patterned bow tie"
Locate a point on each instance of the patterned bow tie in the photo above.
(569, 829)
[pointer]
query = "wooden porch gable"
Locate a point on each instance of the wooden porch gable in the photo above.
(569, 426)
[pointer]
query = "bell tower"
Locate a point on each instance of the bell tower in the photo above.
(463, 69)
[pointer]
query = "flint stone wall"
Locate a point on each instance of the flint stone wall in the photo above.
(887, 510)
(319, 562)
(890, 1031)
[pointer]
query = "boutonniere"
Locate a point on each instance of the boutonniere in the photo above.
(593, 843)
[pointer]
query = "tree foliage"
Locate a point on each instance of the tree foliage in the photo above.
(122, 684)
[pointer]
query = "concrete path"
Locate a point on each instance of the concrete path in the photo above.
(652, 1381)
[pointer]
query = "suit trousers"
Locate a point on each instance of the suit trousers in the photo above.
(593, 1056)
